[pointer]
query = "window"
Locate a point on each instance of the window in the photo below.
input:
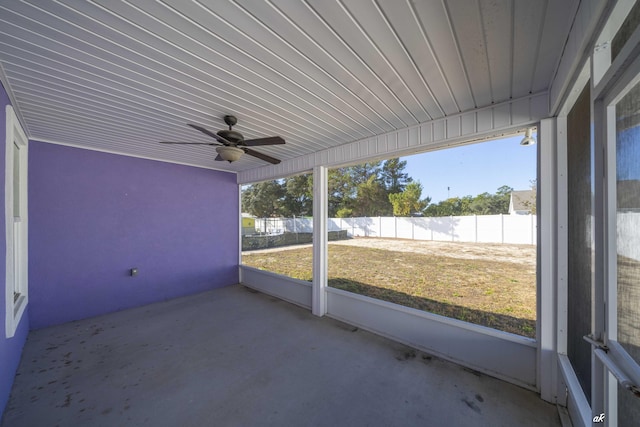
(16, 222)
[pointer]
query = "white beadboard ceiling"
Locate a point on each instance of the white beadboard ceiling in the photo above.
(120, 76)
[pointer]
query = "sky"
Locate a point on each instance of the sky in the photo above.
(474, 169)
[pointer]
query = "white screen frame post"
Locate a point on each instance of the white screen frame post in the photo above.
(320, 240)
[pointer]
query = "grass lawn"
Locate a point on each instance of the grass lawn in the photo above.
(498, 294)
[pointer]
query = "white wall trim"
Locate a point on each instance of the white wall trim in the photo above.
(503, 355)
(287, 288)
(509, 357)
(12, 99)
(483, 123)
(15, 310)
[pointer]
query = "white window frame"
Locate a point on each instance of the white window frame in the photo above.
(16, 229)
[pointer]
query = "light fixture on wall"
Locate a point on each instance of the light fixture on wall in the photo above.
(528, 139)
(230, 154)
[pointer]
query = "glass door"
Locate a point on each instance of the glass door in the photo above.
(623, 287)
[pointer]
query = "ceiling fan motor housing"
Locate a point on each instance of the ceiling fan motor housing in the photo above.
(231, 136)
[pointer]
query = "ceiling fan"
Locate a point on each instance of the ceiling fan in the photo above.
(232, 143)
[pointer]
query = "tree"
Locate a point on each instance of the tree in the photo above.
(298, 196)
(344, 213)
(393, 175)
(263, 199)
(452, 206)
(341, 190)
(408, 202)
(502, 199)
(532, 205)
(362, 172)
(371, 199)
(482, 204)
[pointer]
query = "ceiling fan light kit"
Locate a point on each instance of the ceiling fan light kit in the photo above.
(233, 144)
(230, 154)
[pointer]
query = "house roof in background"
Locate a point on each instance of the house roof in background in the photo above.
(122, 76)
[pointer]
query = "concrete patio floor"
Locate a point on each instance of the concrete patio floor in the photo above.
(233, 357)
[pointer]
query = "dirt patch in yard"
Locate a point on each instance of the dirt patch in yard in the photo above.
(486, 284)
(519, 254)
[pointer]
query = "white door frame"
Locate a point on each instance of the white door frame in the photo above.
(610, 363)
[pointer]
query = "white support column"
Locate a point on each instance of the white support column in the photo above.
(320, 211)
(562, 254)
(546, 295)
(240, 233)
(562, 248)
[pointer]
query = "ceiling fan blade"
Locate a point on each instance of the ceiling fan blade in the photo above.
(189, 143)
(261, 156)
(211, 134)
(272, 140)
(219, 158)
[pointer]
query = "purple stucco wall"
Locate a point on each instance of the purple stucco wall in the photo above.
(93, 216)
(10, 349)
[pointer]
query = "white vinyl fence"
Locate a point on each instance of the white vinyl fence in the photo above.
(514, 229)
(628, 229)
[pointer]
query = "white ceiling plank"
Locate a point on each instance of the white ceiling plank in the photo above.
(91, 93)
(296, 35)
(438, 30)
(556, 26)
(105, 102)
(528, 31)
(124, 145)
(160, 83)
(497, 20)
(376, 24)
(34, 96)
(330, 77)
(73, 115)
(218, 54)
(54, 73)
(467, 23)
(75, 97)
(232, 19)
(370, 27)
(343, 63)
(352, 35)
(406, 24)
(64, 118)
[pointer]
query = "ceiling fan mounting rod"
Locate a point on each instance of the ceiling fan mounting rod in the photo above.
(230, 120)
